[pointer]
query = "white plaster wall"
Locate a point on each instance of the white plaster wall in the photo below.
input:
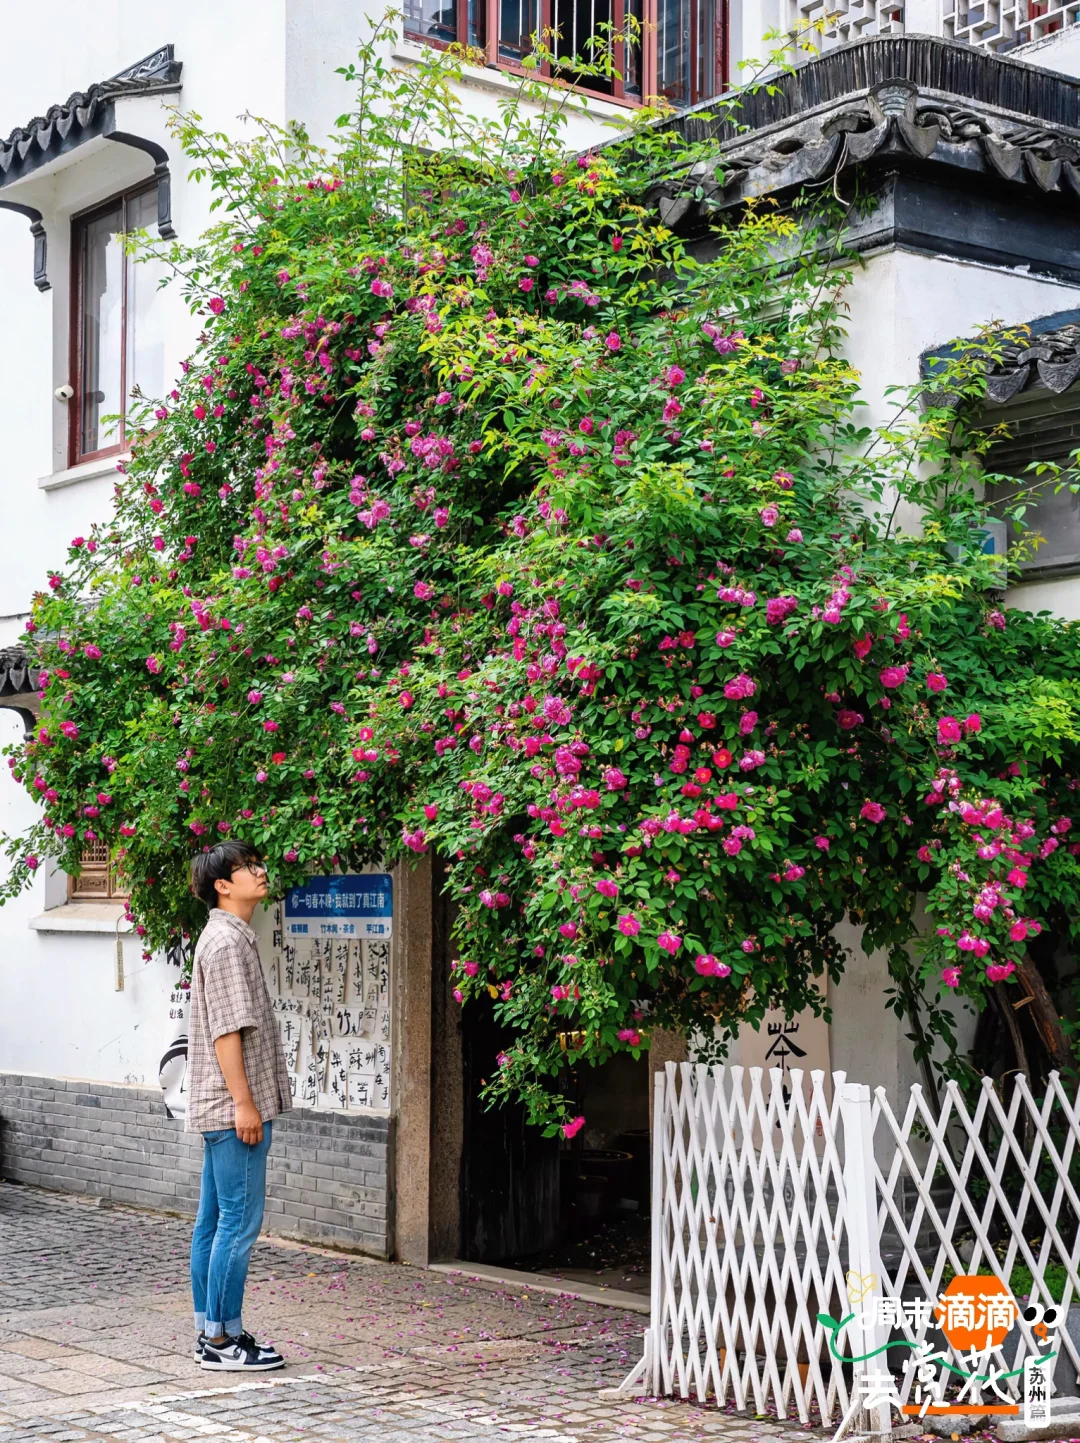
(59, 1011)
(900, 305)
(1060, 597)
(1060, 52)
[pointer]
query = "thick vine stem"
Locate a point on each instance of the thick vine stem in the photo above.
(1045, 1016)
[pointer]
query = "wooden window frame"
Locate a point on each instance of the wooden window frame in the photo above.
(461, 27)
(617, 95)
(82, 888)
(76, 330)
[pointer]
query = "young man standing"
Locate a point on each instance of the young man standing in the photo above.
(237, 1082)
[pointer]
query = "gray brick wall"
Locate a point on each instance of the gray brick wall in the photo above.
(328, 1174)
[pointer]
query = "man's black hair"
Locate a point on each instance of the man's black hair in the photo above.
(219, 863)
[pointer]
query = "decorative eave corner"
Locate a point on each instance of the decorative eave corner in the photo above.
(83, 116)
(1043, 355)
(926, 106)
(18, 685)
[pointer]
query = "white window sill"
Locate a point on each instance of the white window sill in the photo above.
(82, 917)
(85, 471)
(506, 82)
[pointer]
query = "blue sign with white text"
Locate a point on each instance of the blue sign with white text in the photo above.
(361, 905)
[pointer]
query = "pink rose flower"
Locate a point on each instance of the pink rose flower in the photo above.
(893, 676)
(873, 812)
(740, 686)
(629, 925)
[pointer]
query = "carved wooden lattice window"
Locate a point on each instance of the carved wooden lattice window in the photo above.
(97, 882)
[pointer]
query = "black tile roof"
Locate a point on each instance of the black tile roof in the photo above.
(18, 675)
(1043, 355)
(83, 115)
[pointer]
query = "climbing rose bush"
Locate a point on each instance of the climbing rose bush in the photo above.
(490, 522)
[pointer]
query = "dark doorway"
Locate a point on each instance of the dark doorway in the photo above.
(509, 1170)
(604, 1233)
(501, 1192)
(579, 1208)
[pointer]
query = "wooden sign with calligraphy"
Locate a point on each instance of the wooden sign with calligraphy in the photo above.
(798, 1043)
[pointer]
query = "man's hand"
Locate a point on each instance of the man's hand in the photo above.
(249, 1126)
(230, 1056)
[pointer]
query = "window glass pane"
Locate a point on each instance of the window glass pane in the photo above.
(584, 33)
(1041, 427)
(1055, 518)
(518, 23)
(634, 12)
(102, 328)
(477, 10)
(434, 19)
(707, 42)
(673, 50)
(145, 308)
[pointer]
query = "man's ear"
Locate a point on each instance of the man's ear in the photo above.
(221, 886)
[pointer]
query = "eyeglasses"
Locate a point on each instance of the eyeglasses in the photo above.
(257, 869)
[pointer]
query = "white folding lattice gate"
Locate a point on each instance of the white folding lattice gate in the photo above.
(776, 1199)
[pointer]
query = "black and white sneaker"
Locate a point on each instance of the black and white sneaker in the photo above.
(241, 1355)
(200, 1344)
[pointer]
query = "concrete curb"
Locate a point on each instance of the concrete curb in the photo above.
(543, 1283)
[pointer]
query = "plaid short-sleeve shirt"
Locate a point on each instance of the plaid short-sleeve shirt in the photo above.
(229, 994)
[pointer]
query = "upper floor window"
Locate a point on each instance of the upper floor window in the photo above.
(678, 49)
(117, 339)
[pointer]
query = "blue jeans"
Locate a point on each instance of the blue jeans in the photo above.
(231, 1200)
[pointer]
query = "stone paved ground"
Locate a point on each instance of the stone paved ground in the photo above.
(95, 1341)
